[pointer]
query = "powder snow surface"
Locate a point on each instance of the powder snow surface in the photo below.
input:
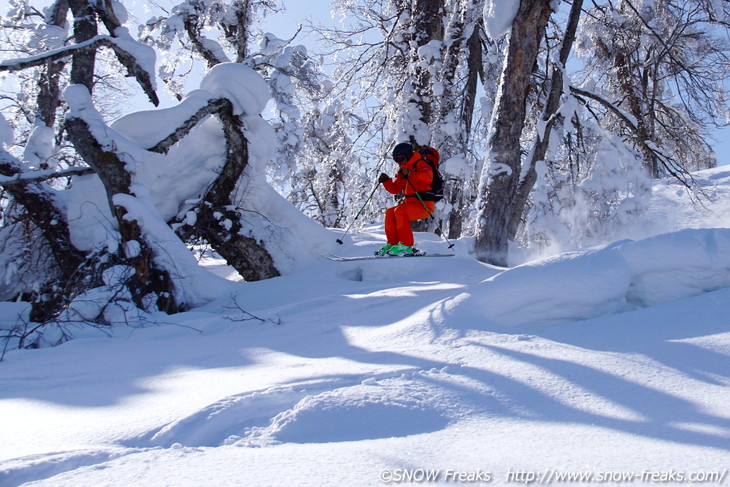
(612, 362)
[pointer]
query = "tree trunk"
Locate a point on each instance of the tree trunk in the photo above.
(427, 26)
(82, 68)
(52, 223)
(48, 82)
(252, 261)
(454, 191)
(475, 70)
(501, 174)
(549, 117)
(457, 214)
(148, 278)
(250, 258)
(456, 105)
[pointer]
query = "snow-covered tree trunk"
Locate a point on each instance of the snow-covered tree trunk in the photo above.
(419, 30)
(42, 208)
(474, 71)
(454, 102)
(501, 172)
(48, 99)
(84, 29)
(149, 278)
(244, 254)
(419, 112)
(249, 257)
(427, 27)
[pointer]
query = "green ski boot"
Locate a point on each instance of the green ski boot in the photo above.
(384, 249)
(400, 249)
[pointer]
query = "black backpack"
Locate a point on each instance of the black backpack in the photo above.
(432, 157)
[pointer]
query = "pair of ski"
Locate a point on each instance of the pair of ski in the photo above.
(338, 258)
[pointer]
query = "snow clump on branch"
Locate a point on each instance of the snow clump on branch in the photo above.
(244, 87)
(498, 16)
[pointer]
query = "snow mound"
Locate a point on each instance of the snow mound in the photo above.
(613, 279)
(324, 411)
(372, 410)
(45, 466)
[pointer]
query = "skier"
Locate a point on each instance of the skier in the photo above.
(414, 178)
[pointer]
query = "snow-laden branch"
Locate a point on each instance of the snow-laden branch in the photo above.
(44, 210)
(124, 55)
(38, 176)
(213, 106)
(229, 89)
(51, 55)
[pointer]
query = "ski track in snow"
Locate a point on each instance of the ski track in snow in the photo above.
(361, 367)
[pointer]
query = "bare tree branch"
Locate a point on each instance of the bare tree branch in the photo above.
(676, 170)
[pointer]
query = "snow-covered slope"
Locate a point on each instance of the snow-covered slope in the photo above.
(671, 208)
(612, 363)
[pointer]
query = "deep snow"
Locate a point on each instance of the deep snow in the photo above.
(612, 362)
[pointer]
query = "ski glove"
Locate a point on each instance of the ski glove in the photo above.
(383, 178)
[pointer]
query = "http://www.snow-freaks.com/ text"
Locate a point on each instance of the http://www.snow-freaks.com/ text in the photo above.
(552, 476)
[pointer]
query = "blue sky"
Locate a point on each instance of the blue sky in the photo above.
(722, 146)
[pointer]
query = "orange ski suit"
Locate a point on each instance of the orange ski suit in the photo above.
(415, 175)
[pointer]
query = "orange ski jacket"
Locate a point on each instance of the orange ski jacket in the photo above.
(418, 177)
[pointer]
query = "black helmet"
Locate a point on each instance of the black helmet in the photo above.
(402, 152)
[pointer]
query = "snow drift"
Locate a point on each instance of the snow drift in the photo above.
(616, 278)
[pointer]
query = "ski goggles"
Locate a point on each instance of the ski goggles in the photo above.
(399, 158)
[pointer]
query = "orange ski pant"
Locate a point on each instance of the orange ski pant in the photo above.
(398, 220)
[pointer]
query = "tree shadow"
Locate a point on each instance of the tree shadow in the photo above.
(100, 372)
(657, 414)
(316, 328)
(671, 333)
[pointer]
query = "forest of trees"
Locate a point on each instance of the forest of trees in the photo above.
(551, 118)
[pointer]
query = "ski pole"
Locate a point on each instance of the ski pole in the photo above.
(339, 240)
(430, 214)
